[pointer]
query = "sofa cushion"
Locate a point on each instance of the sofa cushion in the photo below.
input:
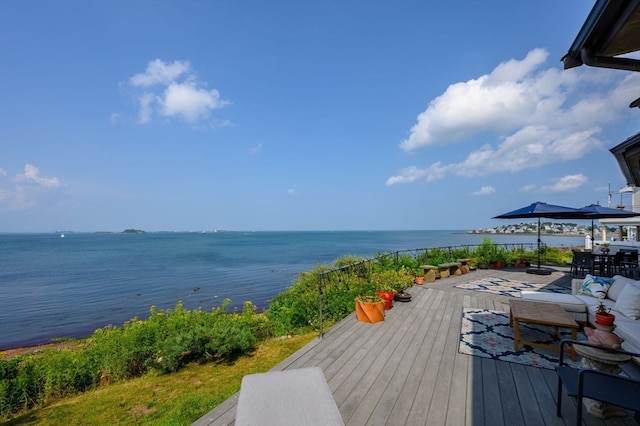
(593, 302)
(628, 304)
(629, 330)
(596, 286)
(567, 301)
(619, 282)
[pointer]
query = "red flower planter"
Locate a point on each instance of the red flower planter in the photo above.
(387, 298)
(605, 319)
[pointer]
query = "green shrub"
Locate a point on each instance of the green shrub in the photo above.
(165, 341)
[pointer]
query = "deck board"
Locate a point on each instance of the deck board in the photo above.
(407, 370)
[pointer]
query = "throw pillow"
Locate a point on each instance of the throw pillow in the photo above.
(603, 338)
(628, 304)
(619, 282)
(596, 286)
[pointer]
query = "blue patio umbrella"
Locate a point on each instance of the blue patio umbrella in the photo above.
(596, 211)
(539, 210)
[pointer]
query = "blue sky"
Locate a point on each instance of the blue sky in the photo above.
(307, 115)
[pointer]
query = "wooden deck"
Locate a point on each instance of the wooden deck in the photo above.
(407, 370)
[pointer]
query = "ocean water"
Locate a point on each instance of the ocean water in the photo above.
(54, 287)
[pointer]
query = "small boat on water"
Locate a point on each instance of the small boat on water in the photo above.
(62, 235)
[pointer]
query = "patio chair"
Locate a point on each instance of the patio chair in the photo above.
(582, 264)
(618, 263)
(629, 262)
(595, 384)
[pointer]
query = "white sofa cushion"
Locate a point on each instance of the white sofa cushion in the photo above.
(629, 330)
(619, 283)
(290, 397)
(628, 304)
(567, 301)
(593, 302)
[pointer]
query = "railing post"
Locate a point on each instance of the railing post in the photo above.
(320, 276)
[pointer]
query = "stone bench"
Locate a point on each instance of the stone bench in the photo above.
(430, 273)
(290, 397)
(464, 265)
(451, 268)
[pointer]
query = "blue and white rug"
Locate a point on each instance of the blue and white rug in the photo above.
(510, 288)
(487, 334)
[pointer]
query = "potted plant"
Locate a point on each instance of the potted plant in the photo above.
(399, 285)
(518, 258)
(369, 309)
(386, 293)
(481, 262)
(381, 281)
(604, 247)
(604, 315)
(498, 261)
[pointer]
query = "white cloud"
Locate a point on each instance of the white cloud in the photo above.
(146, 107)
(25, 190)
(256, 149)
(498, 101)
(485, 190)
(293, 192)
(32, 175)
(408, 175)
(160, 73)
(566, 183)
(530, 110)
(186, 100)
(173, 90)
(528, 188)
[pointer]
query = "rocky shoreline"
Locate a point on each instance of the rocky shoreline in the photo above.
(7, 354)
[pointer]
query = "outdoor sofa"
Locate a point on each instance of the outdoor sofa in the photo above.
(622, 297)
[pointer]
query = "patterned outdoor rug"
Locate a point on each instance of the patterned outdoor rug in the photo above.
(487, 334)
(509, 287)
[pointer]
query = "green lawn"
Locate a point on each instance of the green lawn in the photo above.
(172, 399)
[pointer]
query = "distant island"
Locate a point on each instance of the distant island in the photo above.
(133, 231)
(547, 228)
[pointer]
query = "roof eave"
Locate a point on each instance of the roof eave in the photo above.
(598, 41)
(627, 154)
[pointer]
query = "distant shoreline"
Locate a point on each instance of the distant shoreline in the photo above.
(528, 234)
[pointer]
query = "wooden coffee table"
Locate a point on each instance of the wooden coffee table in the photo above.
(541, 313)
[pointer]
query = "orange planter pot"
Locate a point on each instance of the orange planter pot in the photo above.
(368, 311)
(605, 319)
(387, 298)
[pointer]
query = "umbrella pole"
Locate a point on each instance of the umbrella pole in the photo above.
(538, 270)
(538, 242)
